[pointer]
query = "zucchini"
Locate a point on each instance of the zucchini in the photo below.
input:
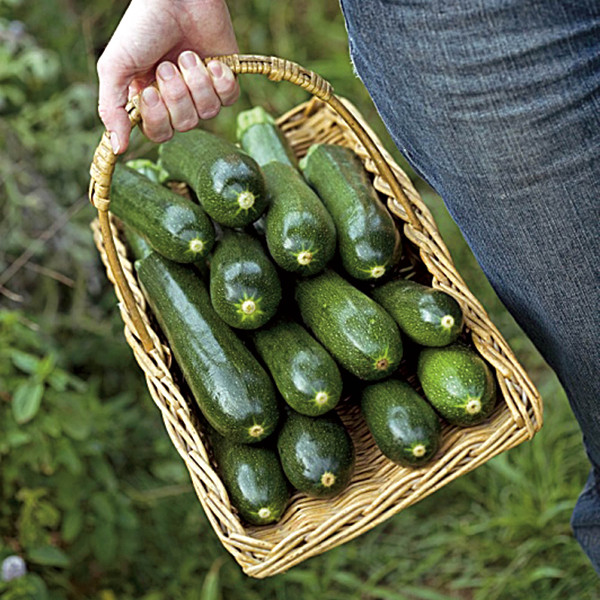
(300, 232)
(369, 243)
(427, 316)
(138, 245)
(233, 391)
(359, 334)
(175, 227)
(254, 479)
(458, 383)
(260, 137)
(304, 372)
(244, 286)
(316, 453)
(228, 183)
(140, 248)
(404, 426)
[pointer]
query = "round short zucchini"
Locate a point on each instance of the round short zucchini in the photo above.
(360, 335)
(316, 453)
(458, 383)
(427, 316)
(304, 372)
(405, 427)
(244, 287)
(254, 479)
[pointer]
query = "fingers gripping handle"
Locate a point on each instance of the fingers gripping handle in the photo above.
(276, 69)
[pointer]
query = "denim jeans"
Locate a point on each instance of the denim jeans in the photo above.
(497, 105)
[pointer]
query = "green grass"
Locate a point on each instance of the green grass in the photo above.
(110, 492)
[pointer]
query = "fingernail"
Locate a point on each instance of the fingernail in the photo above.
(188, 59)
(114, 142)
(150, 96)
(216, 69)
(166, 71)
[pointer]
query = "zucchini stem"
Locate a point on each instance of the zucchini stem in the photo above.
(321, 398)
(447, 321)
(256, 431)
(377, 271)
(328, 479)
(264, 513)
(196, 245)
(419, 450)
(473, 406)
(304, 258)
(248, 307)
(246, 200)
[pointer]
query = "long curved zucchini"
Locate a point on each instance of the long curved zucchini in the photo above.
(233, 391)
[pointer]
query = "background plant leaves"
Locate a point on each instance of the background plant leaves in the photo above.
(26, 400)
(48, 556)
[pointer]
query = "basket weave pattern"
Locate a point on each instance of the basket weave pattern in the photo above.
(379, 488)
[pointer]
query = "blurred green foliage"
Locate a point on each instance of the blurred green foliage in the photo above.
(92, 493)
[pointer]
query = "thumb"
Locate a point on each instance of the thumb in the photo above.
(112, 98)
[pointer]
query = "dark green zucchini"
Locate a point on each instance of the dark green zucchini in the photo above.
(427, 316)
(316, 453)
(137, 243)
(260, 137)
(404, 426)
(304, 372)
(140, 248)
(360, 335)
(228, 183)
(244, 286)
(175, 227)
(233, 391)
(254, 479)
(458, 383)
(300, 232)
(368, 241)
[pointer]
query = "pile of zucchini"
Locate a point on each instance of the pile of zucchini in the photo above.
(276, 287)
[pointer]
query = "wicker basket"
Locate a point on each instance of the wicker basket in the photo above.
(379, 488)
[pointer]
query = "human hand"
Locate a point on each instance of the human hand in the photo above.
(166, 39)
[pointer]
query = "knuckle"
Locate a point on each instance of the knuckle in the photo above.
(156, 125)
(175, 94)
(160, 137)
(200, 80)
(103, 112)
(187, 124)
(231, 98)
(101, 65)
(227, 86)
(211, 111)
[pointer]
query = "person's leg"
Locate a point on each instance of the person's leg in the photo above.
(497, 104)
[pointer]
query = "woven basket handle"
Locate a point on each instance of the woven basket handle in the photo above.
(276, 69)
